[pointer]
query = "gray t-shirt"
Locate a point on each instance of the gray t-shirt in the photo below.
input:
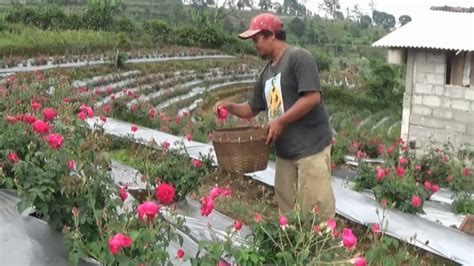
(278, 88)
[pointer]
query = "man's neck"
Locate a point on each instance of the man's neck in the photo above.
(278, 52)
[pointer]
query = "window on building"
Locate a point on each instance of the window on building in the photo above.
(460, 69)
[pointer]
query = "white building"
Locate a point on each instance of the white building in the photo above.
(438, 51)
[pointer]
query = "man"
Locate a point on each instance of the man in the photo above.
(288, 88)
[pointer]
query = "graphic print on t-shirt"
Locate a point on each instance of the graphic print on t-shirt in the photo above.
(274, 97)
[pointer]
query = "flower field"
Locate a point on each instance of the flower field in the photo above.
(59, 156)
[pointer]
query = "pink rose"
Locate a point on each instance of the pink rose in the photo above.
(317, 229)
(13, 157)
(222, 113)
(207, 205)
(215, 192)
(227, 192)
(148, 208)
(11, 119)
(416, 201)
(49, 114)
(466, 172)
(134, 128)
(349, 240)
(29, 119)
(40, 127)
(196, 163)
(380, 173)
(331, 224)
(71, 164)
(82, 115)
(117, 242)
(106, 108)
(427, 185)
(283, 221)
(400, 171)
(55, 141)
(402, 161)
(189, 137)
(87, 110)
(165, 193)
(434, 188)
(376, 228)
(237, 225)
(180, 254)
(35, 105)
(258, 218)
(152, 113)
(165, 145)
(123, 193)
(359, 261)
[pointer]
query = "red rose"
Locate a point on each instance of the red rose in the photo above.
(165, 193)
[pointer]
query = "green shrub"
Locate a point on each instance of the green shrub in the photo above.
(158, 29)
(322, 59)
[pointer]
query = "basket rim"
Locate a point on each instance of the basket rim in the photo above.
(240, 134)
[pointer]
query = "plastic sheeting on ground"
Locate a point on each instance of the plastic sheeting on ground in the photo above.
(26, 240)
(50, 65)
(359, 207)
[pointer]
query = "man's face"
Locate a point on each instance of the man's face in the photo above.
(263, 45)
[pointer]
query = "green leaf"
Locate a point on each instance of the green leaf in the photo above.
(73, 259)
(304, 255)
(134, 235)
(254, 258)
(217, 250)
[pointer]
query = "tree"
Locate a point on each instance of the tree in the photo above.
(330, 7)
(297, 27)
(279, 8)
(310, 35)
(292, 7)
(265, 4)
(404, 19)
(338, 15)
(365, 21)
(356, 14)
(372, 5)
(382, 19)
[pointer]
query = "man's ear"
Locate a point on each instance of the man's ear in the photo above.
(273, 35)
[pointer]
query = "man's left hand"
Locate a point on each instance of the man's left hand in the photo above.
(275, 128)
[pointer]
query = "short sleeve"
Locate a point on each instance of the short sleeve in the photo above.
(306, 71)
(257, 101)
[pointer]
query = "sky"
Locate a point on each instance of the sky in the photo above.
(413, 8)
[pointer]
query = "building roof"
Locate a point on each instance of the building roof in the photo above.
(447, 30)
(453, 9)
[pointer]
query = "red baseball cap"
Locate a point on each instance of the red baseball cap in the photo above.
(264, 21)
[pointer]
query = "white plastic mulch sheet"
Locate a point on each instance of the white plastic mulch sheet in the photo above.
(50, 65)
(432, 230)
(26, 240)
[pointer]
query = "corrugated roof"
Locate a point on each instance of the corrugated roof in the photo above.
(436, 30)
(453, 9)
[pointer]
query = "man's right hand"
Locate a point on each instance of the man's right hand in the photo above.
(225, 104)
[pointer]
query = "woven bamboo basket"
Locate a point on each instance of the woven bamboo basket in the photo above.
(241, 149)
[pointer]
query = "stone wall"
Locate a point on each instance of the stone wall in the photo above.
(437, 112)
